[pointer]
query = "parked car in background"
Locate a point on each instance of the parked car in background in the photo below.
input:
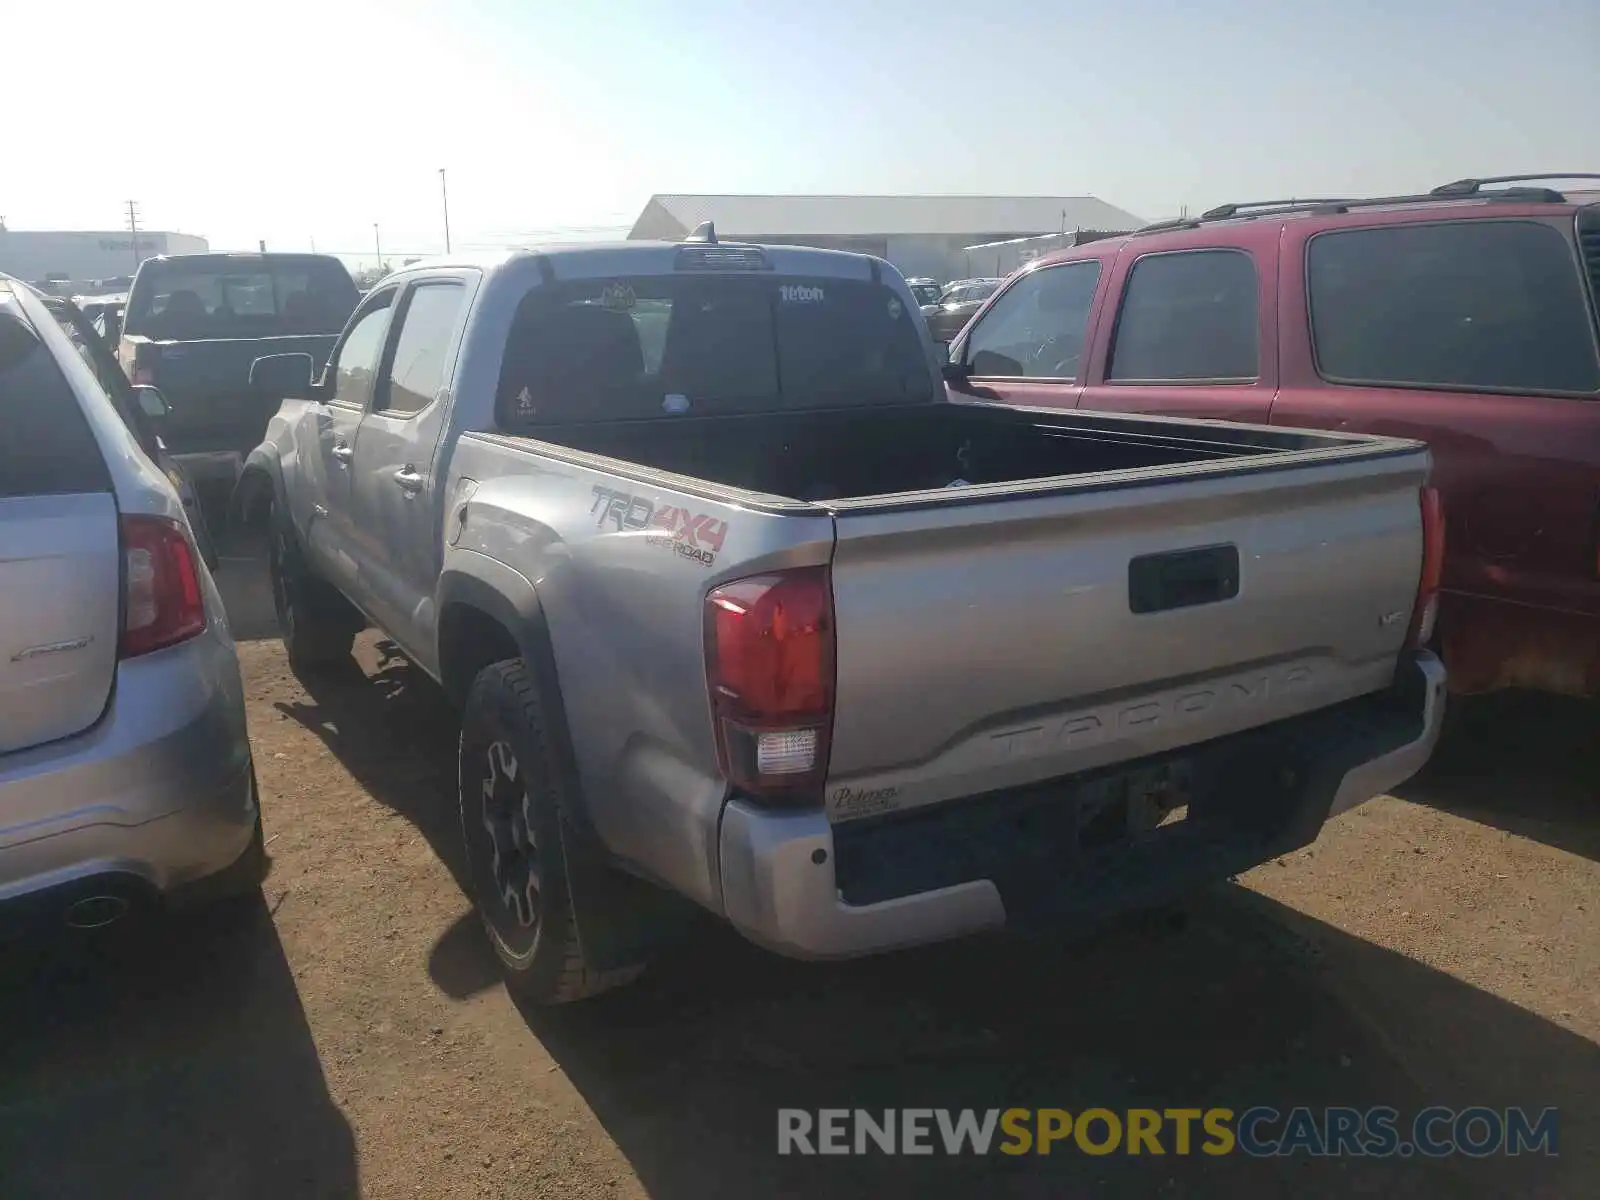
(741, 610)
(925, 291)
(125, 772)
(1464, 317)
(955, 306)
(104, 313)
(143, 410)
(194, 324)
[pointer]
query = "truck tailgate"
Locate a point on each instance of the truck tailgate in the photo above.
(207, 384)
(987, 640)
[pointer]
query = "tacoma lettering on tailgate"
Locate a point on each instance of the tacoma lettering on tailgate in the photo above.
(691, 535)
(1086, 728)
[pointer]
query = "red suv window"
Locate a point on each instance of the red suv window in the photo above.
(1472, 305)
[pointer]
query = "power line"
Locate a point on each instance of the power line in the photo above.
(133, 228)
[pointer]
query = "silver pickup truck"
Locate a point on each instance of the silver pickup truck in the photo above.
(739, 609)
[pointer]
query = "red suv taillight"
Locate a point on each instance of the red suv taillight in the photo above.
(162, 602)
(1426, 611)
(769, 660)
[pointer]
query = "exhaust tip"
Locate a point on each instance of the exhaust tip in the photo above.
(96, 912)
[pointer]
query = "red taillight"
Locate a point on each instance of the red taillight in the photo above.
(769, 662)
(162, 601)
(1427, 606)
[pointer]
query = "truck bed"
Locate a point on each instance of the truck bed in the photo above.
(851, 454)
(1103, 588)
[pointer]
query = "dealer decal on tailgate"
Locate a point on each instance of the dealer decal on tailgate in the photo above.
(691, 535)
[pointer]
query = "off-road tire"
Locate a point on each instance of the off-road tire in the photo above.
(504, 705)
(317, 624)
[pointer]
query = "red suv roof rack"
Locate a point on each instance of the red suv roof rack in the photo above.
(1460, 189)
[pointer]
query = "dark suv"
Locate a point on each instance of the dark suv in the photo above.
(1464, 316)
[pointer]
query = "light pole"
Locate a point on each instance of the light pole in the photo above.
(444, 195)
(378, 242)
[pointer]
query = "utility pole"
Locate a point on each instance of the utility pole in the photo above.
(444, 195)
(313, 243)
(133, 228)
(378, 242)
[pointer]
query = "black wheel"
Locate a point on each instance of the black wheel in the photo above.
(316, 623)
(510, 785)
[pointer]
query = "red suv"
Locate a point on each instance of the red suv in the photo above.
(1465, 317)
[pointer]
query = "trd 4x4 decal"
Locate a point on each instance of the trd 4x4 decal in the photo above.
(691, 535)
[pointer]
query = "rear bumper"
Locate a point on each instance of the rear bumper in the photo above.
(159, 793)
(797, 885)
(208, 466)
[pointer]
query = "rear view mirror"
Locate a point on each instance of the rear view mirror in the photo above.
(151, 402)
(287, 376)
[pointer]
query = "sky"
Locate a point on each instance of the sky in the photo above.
(306, 122)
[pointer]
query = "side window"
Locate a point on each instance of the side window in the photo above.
(48, 448)
(1188, 316)
(1038, 325)
(1496, 305)
(427, 331)
(355, 362)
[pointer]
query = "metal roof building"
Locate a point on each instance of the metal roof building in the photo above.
(922, 235)
(37, 255)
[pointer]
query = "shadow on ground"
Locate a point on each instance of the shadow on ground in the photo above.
(1524, 762)
(242, 579)
(165, 1064)
(1254, 1004)
(391, 728)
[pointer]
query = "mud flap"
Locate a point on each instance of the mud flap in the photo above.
(622, 919)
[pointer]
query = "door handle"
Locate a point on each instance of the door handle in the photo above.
(343, 452)
(408, 481)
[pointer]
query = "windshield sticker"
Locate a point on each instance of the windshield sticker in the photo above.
(799, 293)
(895, 308)
(525, 404)
(619, 297)
(675, 403)
(691, 535)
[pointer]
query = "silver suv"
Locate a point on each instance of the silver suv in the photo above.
(125, 772)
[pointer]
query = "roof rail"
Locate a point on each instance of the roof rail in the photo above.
(1223, 211)
(1473, 187)
(1461, 189)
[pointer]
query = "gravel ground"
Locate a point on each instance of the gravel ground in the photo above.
(348, 1035)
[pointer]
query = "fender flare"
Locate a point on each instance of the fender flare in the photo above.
(262, 470)
(510, 598)
(623, 917)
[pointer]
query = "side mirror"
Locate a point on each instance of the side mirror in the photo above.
(151, 402)
(955, 372)
(287, 376)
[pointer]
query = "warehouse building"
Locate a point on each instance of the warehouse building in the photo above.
(921, 235)
(82, 258)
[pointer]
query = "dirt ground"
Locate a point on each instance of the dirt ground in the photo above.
(350, 1037)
